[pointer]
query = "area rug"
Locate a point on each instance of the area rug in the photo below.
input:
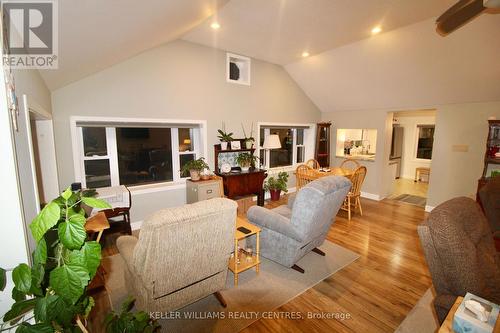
(254, 297)
(422, 318)
(412, 199)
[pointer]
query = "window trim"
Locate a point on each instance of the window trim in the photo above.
(308, 143)
(415, 144)
(77, 146)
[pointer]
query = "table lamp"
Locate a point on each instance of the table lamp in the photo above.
(272, 142)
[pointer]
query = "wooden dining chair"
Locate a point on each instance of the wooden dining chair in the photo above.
(300, 173)
(313, 164)
(352, 200)
(350, 164)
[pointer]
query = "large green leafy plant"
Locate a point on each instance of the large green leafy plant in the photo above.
(54, 287)
(129, 322)
(279, 183)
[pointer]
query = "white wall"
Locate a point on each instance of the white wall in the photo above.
(455, 173)
(409, 162)
(408, 68)
(179, 80)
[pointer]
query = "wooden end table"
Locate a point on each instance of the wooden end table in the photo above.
(97, 224)
(244, 264)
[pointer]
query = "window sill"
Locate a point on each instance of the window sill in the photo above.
(159, 187)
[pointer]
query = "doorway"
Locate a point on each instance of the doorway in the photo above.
(411, 155)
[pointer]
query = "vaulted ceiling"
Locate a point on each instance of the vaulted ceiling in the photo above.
(96, 34)
(279, 31)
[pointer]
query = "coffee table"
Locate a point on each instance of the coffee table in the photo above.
(244, 263)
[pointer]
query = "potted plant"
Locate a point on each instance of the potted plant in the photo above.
(246, 160)
(250, 139)
(224, 137)
(276, 185)
(194, 168)
(50, 296)
(129, 322)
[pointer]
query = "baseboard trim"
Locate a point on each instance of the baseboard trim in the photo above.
(371, 196)
(136, 225)
(428, 208)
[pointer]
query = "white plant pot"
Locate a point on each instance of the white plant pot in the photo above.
(223, 145)
(245, 169)
(249, 144)
(195, 174)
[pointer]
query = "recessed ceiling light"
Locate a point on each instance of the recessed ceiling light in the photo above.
(305, 54)
(215, 25)
(376, 30)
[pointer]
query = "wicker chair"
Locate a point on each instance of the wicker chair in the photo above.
(299, 174)
(313, 164)
(353, 197)
(350, 164)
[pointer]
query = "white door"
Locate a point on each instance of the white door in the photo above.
(26, 168)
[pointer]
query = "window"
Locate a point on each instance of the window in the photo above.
(425, 141)
(295, 145)
(136, 155)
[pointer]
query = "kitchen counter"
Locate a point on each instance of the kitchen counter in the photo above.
(369, 158)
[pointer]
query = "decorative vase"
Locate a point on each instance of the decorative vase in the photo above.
(249, 144)
(223, 145)
(275, 195)
(195, 175)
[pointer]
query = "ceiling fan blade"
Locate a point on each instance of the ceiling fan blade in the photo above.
(461, 13)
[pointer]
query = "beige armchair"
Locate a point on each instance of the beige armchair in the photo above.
(181, 255)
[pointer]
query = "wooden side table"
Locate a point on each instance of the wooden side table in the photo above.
(447, 326)
(244, 264)
(97, 224)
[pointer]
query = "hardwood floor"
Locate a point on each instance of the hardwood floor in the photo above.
(377, 290)
(373, 294)
(408, 186)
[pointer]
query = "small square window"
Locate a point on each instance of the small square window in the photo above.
(94, 141)
(237, 69)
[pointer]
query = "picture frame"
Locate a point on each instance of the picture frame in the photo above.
(235, 145)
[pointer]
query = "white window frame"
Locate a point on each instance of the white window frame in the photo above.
(417, 136)
(308, 143)
(199, 144)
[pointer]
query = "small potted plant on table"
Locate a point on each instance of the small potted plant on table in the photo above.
(224, 137)
(194, 168)
(276, 185)
(246, 160)
(249, 140)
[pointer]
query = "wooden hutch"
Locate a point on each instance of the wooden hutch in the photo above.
(239, 183)
(491, 157)
(322, 151)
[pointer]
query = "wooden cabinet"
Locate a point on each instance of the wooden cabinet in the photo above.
(490, 159)
(245, 183)
(322, 152)
(202, 190)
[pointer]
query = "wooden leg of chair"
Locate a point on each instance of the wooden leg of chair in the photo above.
(318, 251)
(298, 269)
(221, 299)
(358, 200)
(349, 208)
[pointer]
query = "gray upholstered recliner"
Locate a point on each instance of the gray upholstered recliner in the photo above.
(181, 255)
(290, 231)
(460, 253)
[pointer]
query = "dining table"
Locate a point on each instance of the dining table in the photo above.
(313, 174)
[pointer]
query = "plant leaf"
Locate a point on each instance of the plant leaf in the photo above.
(89, 257)
(128, 304)
(69, 281)
(72, 232)
(22, 278)
(40, 253)
(37, 275)
(3, 279)
(95, 203)
(18, 295)
(18, 309)
(36, 328)
(67, 194)
(47, 218)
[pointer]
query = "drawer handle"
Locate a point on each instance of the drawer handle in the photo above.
(209, 191)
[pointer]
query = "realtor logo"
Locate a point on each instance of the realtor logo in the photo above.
(30, 31)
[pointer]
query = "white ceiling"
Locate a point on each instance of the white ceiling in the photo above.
(96, 34)
(279, 31)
